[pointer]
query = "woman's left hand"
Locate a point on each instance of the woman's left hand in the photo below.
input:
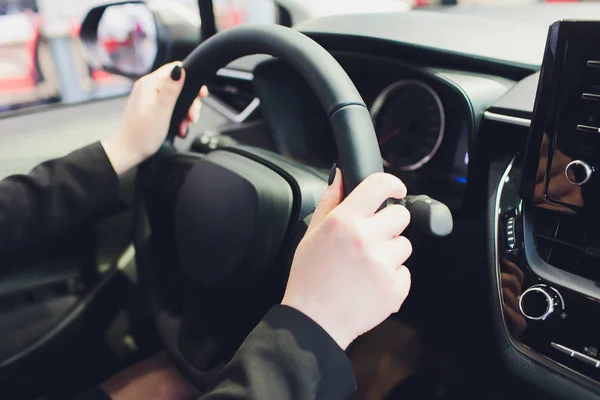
(145, 121)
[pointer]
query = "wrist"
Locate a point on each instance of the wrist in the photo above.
(338, 335)
(122, 156)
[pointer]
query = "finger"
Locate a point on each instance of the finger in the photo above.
(513, 269)
(203, 91)
(402, 283)
(193, 114)
(371, 193)
(517, 322)
(395, 252)
(391, 221)
(330, 200)
(510, 282)
(166, 71)
(510, 299)
(183, 129)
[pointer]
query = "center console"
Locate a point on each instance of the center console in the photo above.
(548, 214)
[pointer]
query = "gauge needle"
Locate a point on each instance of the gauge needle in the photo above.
(389, 136)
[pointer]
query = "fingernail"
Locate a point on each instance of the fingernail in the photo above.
(332, 174)
(176, 73)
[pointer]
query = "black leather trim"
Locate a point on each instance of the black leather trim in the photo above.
(358, 154)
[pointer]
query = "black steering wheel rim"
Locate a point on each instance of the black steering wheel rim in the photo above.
(357, 146)
(358, 150)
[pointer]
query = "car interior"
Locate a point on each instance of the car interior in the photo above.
(488, 114)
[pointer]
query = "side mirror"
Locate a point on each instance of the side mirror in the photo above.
(132, 39)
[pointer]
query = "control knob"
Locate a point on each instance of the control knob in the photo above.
(541, 302)
(578, 172)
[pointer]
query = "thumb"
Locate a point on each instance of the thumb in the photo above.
(332, 197)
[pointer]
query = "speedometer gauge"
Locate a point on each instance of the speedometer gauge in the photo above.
(409, 121)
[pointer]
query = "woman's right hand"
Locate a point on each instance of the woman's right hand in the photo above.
(348, 273)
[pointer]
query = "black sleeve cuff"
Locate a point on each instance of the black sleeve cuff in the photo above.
(94, 161)
(93, 394)
(336, 374)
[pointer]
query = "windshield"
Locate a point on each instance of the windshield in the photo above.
(42, 62)
(230, 13)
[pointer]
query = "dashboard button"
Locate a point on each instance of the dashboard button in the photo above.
(586, 359)
(563, 349)
(578, 172)
(576, 355)
(540, 303)
(593, 64)
(511, 239)
(588, 129)
(591, 96)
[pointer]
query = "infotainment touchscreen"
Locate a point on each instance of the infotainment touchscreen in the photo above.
(563, 152)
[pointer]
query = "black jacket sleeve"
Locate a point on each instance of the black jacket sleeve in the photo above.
(287, 356)
(56, 195)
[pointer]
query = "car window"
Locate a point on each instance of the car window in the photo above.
(229, 13)
(42, 62)
(41, 57)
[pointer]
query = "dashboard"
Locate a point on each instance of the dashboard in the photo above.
(452, 114)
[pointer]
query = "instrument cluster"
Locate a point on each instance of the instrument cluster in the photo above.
(423, 136)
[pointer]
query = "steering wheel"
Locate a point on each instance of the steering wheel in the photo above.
(215, 234)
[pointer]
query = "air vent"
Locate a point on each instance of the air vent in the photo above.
(568, 242)
(232, 95)
(233, 88)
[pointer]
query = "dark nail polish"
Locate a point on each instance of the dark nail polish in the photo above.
(332, 174)
(176, 73)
